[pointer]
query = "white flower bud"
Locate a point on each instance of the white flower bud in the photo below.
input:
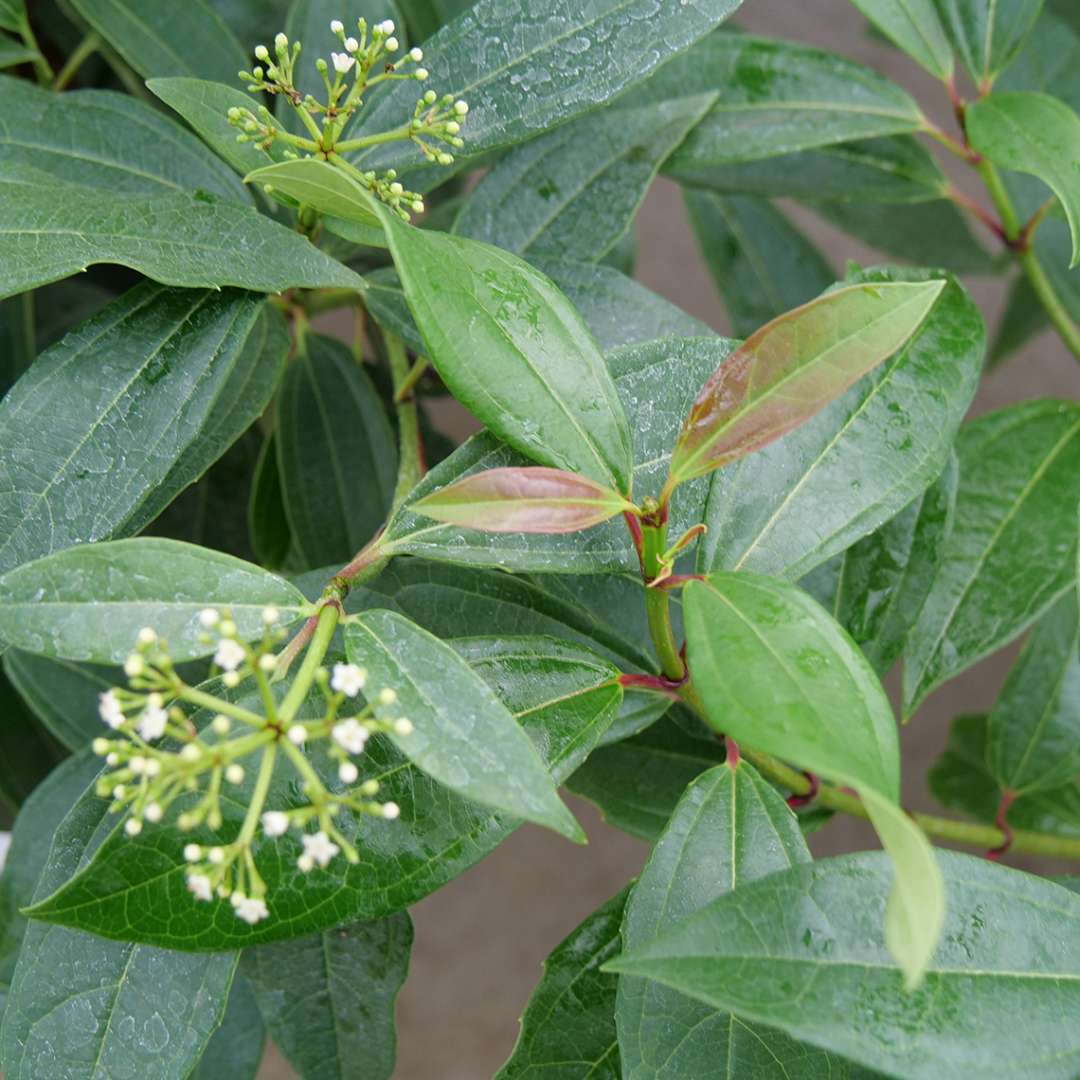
(133, 826)
(305, 863)
(452, 127)
(420, 74)
(349, 679)
(348, 772)
(262, 52)
(391, 44)
(297, 734)
(134, 665)
(270, 615)
(461, 107)
(267, 662)
(387, 696)
(350, 735)
(112, 759)
(281, 42)
(429, 97)
(235, 773)
(153, 767)
(275, 823)
(153, 813)
(416, 54)
(391, 810)
(351, 44)
(396, 188)
(386, 27)
(220, 725)
(216, 855)
(147, 636)
(100, 746)
(137, 764)
(227, 628)
(231, 679)
(337, 26)
(191, 752)
(209, 617)
(342, 62)
(230, 655)
(251, 910)
(119, 791)
(404, 726)
(369, 787)
(192, 852)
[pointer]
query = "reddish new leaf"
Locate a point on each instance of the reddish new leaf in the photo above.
(531, 499)
(793, 367)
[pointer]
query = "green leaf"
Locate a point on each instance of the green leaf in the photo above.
(336, 453)
(776, 97)
(532, 499)
(988, 33)
(204, 105)
(13, 53)
(1012, 551)
(83, 1007)
(805, 693)
(793, 367)
(27, 754)
(12, 14)
(895, 168)
(637, 782)
(328, 999)
(760, 949)
(62, 694)
(573, 192)
(877, 588)
(1023, 319)
(657, 382)
(102, 141)
(463, 736)
(730, 828)
(169, 366)
(236, 1048)
(761, 263)
(812, 494)
(174, 239)
(565, 698)
(1036, 134)
(268, 527)
(914, 26)
(179, 39)
(89, 602)
(510, 348)
(1033, 727)
(540, 65)
(568, 1027)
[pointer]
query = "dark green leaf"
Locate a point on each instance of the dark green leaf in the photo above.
(267, 524)
(760, 949)
(813, 493)
(1012, 551)
(774, 671)
(12, 14)
(463, 735)
(761, 263)
(988, 33)
(17, 346)
(173, 39)
(914, 26)
(568, 1028)
(1024, 318)
(133, 390)
(1048, 59)
(27, 754)
(1067, 11)
(565, 699)
(328, 999)
(336, 453)
(13, 53)
(64, 695)
(573, 192)
(103, 141)
(776, 97)
(89, 602)
(539, 64)
(236, 1048)
(1032, 740)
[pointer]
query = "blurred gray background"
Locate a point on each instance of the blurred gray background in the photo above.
(481, 940)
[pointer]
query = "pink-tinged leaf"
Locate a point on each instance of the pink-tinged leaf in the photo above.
(531, 499)
(793, 367)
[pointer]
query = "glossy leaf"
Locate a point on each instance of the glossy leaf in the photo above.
(803, 692)
(730, 828)
(268, 527)
(813, 493)
(80, 1007)
(178, 39)
(914, 26)
(336, 454)
(565, 698)
(759, 949)
(793, 367)
(1033, 726)
(1012, 551)
(236, 1048)
(1023, 319)
(761, 263)
(133, 389)
(657, 382)
(988, 33)
(62, 694)
(573, 192)
(523, 500)
(776, 97)
(89, 602)
(1032, 133)
(463, 736)
(877, 588)
(568, 1028)
(328, 999)
(174, 239)
(540, 65)
(510, 347)
(103, 141)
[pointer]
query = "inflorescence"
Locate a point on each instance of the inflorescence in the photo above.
(434, 126)
(198, 764)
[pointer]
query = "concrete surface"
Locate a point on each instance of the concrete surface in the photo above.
(481, 940)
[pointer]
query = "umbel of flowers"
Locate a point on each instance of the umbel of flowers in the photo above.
(157, 755)
(365, 61)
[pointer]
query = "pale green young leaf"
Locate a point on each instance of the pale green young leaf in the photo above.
(915, 27)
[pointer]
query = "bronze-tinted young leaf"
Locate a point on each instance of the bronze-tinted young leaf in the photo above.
(525, 499)
(793, 367)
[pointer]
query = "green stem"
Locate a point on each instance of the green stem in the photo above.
(258, 796)
(658, 602)
(217, 705)
(42, 68)
(315, 303)
(416, 373)
(394, 135)
(87, 47)
(410, 458)
(316, 788)
(320, 642)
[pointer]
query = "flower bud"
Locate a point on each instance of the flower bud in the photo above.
(262, 52)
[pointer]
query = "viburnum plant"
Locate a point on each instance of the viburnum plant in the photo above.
(279, 660)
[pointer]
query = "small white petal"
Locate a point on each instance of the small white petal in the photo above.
(320, 847)
(350, 735)
(342, 62)
(251, 910)
(305, 863)
(199, 886)
(152, 723)
(230, 655)
(348, 679)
